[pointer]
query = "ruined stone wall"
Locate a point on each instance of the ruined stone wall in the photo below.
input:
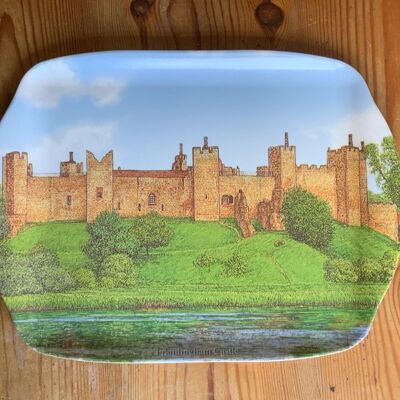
(256, 189)
(320, 181)
(206, 183)
(383, 218)
(173, 193)
(282, 166)
(56, 199)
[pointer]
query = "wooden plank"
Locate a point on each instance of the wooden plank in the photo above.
(361, 32)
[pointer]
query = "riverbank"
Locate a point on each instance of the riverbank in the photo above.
(207, 296)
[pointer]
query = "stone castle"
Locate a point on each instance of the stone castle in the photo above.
(207, 190)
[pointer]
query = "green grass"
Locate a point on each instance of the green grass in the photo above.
(291, 274)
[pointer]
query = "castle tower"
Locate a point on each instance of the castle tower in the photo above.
(282, 164)
(71, 167)
(15, 188)
(99, 184)
(351, 183)
(180, 163)
(206, 182)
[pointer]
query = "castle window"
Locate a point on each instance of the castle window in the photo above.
(69, 200)
(99, 193)
(162, 207)
(119, 205)
(206, 196)
(152, 199)
(226, 199)
(139, 207)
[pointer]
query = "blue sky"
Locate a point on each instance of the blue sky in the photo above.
(143, 104)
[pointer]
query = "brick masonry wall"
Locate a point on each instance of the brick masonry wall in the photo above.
(256, 189)
(321, 181)
(384, 219)
(48, 198)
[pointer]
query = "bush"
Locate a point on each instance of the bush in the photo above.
(16, 278)
(236, 265)
(4, 228)
(119, 271)
(151, 231)
(279, 243)
(47, 270)
(307, 218)
(389, 263)
(368, 270)
(339, 271)
(108, 236)
(257, 225)
(85, 278)
(204, 261)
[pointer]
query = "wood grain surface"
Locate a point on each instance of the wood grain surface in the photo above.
(364, 33)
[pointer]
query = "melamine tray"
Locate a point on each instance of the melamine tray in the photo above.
(185, 206)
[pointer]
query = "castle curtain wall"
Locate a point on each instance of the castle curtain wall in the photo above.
(172, 190)
(320, 181)
(256, 189)
(56, 198)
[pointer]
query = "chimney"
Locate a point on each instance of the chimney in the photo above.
(205, 146)
(350, 140)
(286, 140)
(180, 148)
(71, 156)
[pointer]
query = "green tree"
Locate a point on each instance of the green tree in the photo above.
(389, 262)
(107, 236)
(339, 271)
(45, 266)
(307, 218)
(368, 270)
(4, 227)
(151, 231)
(84, 278)
(236, 265)
(385, 165)
(119, 271)
(204, 261)
(17, 278)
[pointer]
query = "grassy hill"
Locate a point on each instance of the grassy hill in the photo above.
(274, 272)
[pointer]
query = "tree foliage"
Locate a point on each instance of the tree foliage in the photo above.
(107, 236)
(151, 231)
(204, 261)
(84, 278)
(384, 163)
(119, 271)
(339, 271)
(4, 227)
(307, 218)
(236, 265)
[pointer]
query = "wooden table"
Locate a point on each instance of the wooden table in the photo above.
(364, 33)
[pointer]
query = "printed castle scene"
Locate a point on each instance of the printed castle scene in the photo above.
(207, 190)
(127, 235)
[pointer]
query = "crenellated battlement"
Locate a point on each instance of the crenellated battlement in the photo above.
(313, 167)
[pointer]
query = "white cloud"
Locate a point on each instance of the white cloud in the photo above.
(47, 84)
(367, 125)
(51, 149)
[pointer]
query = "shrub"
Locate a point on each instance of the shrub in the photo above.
(279, 243)
(204, 261)
(257, 225)
(17, 278)
(339, 271)
(307, 218)
(368, 270)
(85, 278)
(119, 271)
(47, 270)
(108, 236)
(4, 228)
(235, 265)
(151, 231)
(388, 262)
